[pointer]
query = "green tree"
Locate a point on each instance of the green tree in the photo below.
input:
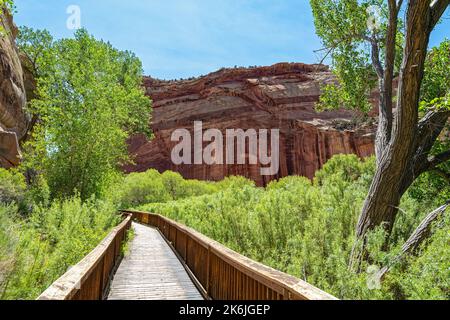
(37, 45)
(362, 49)
(6, 6)
(89, 101)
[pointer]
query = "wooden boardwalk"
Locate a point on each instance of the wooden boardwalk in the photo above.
(151, 271)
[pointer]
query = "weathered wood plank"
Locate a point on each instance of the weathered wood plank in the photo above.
(151, 271)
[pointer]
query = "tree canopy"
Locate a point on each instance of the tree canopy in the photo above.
(89, 101)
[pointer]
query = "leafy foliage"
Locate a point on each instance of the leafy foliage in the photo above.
(5, 5)
(36, 252)
(8, 243)
(435, 95)
(307, 229)
(15, 191)
(343, 28)
(12, 187)
(89, 101)
(152, 187)
(39, 241)
(37, 45)
(301, 227)
(435, 88)
(428, 276)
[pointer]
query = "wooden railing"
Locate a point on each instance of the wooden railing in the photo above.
(89, 279)
(224, 274)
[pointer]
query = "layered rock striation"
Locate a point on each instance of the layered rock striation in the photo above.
(281, 97)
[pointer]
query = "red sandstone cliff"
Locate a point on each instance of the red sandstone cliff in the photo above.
(13, 120)
(280, 96)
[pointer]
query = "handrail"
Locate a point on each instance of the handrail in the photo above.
(89, 279)
(225, 274)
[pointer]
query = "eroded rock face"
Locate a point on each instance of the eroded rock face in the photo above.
(13, 121)
(277, 97)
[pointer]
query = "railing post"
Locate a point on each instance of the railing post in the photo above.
(176, 238)
(101, 268)
(186, 248)
(208, 270)
(286, 294)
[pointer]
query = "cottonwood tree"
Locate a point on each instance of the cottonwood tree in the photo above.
(89, 100)
(392, 51)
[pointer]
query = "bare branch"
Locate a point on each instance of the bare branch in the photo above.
(430, 127)
(417, 238)
(330, 50)
(386, 83)
(428, 131)
(376, 57)
(399, 5)
(438, 159)
(437, 10)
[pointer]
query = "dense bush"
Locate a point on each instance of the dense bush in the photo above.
(8, 243)
(40, 239)
(35, 252)
(307, 229)
(14, 189)
(152, 187)
(426, 276)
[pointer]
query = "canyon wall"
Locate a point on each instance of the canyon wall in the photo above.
(13, 120)
(281, 96)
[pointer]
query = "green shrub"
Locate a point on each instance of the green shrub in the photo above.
(138, 188)
(8, 243)
(14, 190)
(427, 276)
(431, 186)
(234, 182)
(307, 229)
(53, 239)
(153, 187)
(12, 187)
(179, 188)
(302, 227)
(38, 192)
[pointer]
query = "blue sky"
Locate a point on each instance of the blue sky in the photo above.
(184, 38)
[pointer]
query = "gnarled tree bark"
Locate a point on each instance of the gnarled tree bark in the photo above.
(405, 155)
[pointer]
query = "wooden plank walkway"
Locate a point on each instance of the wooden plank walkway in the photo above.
(151, 271)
